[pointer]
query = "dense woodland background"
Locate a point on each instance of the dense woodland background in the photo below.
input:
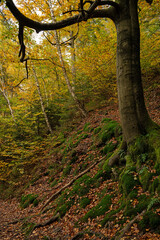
(37, 109)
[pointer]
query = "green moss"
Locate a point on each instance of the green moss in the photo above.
(133, 194)
(111, 215)
(157, 168)
(128, 182)
(107, 169)
(108, 130)
(65, 207)
(27, 227)
(35, 202)
(84, 202)
(139, 149)
(74, 156)
(82, 185)
(102, 174)
(154, 140)
(106, 120)
(150, 220)
(154, 186)
(132, 211)
(26, 200)
(99, 209)
(53, 183)
(86, 127)
(109, 148)
(64, 202)
(97, 130)
(67, 170)
(144, 177)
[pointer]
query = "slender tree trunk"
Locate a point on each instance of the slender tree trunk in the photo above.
(2, 89)
(132, 108)
(9, 104)
(71, 90)
(73, 58)
(42, 103)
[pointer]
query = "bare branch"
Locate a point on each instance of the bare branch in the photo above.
(38, 26)
(84, 16)
(65, 42)
(26, 66)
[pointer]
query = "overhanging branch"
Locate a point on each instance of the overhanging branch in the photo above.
(24, 21)
(38, 26)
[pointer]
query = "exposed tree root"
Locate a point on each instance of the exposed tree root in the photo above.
(128, 226)
(70, 183)
(48, 222)
(114, 159)
(81, 234)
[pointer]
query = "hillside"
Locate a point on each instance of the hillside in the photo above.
(91, 206)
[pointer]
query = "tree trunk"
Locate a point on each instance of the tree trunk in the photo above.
(70, 88)
(133, 113)
(42, 103)
(2, 89)
(73, 58)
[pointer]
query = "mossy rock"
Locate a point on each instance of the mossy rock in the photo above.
(131, 211)
(150, 220)
(107, 130)
(26, 200)
(145, 177)
(65, 207)
(100, 208)
(155, 185)
(53, 183)
(128, 182)
(74, 156)
(139, 150)
(157, 168)
(97, 130)
(86, 127)
(111, 215)
(82, 185)
(64, 202)
(107, 169)
(109, 148)
(67, 170)
(84, 202)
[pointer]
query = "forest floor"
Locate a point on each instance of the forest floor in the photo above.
(15, 221)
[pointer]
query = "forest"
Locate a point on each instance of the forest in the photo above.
(79, 119)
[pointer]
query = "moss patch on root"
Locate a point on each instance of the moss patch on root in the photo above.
(100, 208)
(29, 199)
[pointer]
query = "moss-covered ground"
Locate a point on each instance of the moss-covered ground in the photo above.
(103, 200)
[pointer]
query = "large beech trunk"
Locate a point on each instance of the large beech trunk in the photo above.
(134, 116)
(133, 113)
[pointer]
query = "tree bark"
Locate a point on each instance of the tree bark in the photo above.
(134, 116)
(42, 103)
(70, 88)
(2, 89)
(132, 108)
